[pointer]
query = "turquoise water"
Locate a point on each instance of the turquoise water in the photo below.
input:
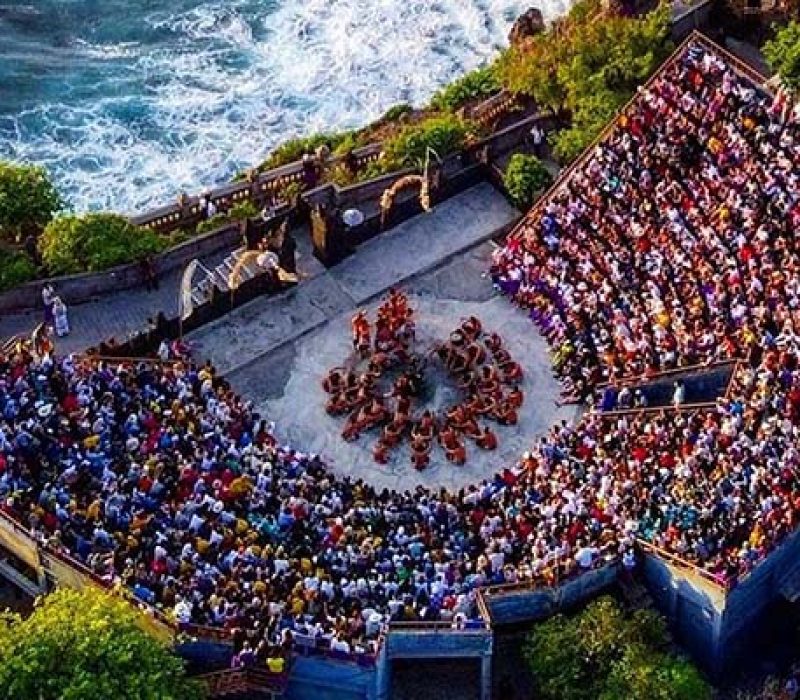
(128, 102)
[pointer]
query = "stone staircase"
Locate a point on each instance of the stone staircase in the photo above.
(219, 276)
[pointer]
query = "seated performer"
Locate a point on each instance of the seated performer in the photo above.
(515, 397)
(488, 382)
(454, 450)
(420, 453)
(359, 326)
(493, 342)
(380, 452)
(471, 328)
(476, 355)
(425, 428)
(337, 379)
(505, 414)
(487, 439)
(511, 372)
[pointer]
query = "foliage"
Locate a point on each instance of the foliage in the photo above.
(94, 242)
(444, 134)
(86, 645)
(289, 192)
(15, 268)
(243, 210)
(589, 63)
(525, 177)
(219, 220)
(604, 653)
(588, 120)
(28, 200)
(783, 54)
(293, 149)
(482, 82)
(395, 113)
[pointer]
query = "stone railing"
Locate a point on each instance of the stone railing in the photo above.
(494, 108)
(265, 188)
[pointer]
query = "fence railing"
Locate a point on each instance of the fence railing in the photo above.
(716, 580)
(240, 681)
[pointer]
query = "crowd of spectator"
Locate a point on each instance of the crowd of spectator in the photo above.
(671, 245)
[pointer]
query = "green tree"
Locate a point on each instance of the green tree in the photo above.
(783, 54)
(28, 200)
(86, 645)
(587, 64)
(525, 178)
(94, 242)
(604, 653)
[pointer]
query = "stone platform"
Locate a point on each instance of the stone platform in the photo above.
(285, 381)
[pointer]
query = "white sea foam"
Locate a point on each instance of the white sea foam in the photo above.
(235, 82)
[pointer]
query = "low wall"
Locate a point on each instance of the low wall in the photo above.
(75, 289)
(438, 644)
(531, 605)
(324, 679)
(693, 604)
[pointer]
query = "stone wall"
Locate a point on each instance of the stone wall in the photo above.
(520, 606)
(75, 289)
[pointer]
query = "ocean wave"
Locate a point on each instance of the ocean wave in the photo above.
(236, 78)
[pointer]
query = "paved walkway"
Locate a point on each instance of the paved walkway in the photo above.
(125, 313)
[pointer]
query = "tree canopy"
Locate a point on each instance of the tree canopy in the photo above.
(86, 645)
(588, 63)
(604, 653)
(28, 200)
(783, 54)
(94, 242)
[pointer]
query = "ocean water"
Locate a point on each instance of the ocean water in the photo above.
(128, 102)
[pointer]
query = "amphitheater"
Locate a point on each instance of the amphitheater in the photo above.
(650, 297)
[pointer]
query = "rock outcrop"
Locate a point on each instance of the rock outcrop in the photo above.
(527, 25)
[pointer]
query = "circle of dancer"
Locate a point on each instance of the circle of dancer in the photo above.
(385, 387)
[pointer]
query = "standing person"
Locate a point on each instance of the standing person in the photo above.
(48, 296)
(148, 268)
(679, 393)
(538, 138)
(60, 317)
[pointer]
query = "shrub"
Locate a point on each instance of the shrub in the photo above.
(243, 210)
(94, 242)
(396, 112)
(783, 54)
(15, 268)
(28, 200)
(217, 221)
(525, 178)
(481, 82)
(293, 149)
(444, 134)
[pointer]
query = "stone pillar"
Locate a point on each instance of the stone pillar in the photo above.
(486, 676)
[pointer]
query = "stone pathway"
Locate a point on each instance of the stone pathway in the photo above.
(409, 250)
